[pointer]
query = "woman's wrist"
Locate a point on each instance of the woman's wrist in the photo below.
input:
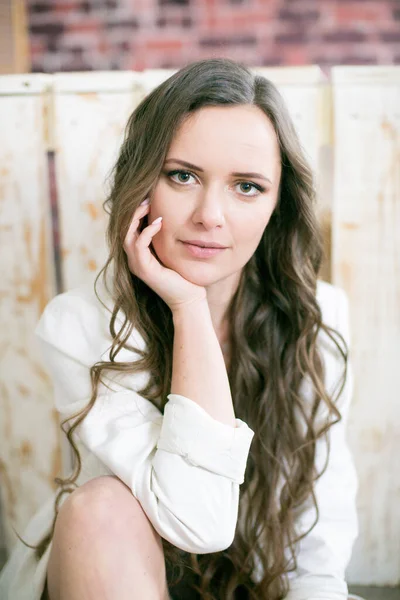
(190, 310)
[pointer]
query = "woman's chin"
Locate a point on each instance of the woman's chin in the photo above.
(202, 273)
(198, 273)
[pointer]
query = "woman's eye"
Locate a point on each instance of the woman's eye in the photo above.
(181, 176)
(246, 187)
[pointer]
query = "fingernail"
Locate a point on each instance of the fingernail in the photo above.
(147, 201)
(158, 220)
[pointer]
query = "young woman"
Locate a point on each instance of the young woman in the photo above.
(204, 384)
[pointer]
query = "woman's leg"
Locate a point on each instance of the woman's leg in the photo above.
(104, 547)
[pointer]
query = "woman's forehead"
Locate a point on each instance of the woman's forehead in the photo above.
(239, 136)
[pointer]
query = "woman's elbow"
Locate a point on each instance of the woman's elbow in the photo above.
(207, 542)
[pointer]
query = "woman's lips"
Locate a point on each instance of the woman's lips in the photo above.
(199, 252)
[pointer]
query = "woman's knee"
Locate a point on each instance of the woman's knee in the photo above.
(102, 520)
(102, 505)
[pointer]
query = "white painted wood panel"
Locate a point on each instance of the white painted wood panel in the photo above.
(90, 114)
(366, 263)
(30, 455)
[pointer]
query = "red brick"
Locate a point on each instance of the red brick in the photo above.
(295, 55)
(164, 45)
(299, 16)
(86, 25)
(368, 11)
(237, 22)
(343, 36)
(37, 46)
(103, 46)
(238, 40)
(290, 38)
(352, 59)
(389, 36)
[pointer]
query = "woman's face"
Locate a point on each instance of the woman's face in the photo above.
(219, 183)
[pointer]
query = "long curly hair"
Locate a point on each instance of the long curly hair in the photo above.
(275, 325)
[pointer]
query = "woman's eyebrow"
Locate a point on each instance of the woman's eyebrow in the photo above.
(235, 173)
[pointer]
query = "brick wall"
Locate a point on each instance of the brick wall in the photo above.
(70, 35)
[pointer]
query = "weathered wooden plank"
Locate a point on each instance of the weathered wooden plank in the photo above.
(90, 114)
(366, 262)
(30, 455)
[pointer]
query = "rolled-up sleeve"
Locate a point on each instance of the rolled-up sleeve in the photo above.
(188, 430)
(183, 466)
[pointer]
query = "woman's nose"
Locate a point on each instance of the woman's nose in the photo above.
(209, 210)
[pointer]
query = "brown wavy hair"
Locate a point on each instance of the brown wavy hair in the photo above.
(275, 323)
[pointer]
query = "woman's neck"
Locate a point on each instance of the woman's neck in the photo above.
(219, 296)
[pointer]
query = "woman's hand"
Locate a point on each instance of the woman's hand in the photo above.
(168, 284)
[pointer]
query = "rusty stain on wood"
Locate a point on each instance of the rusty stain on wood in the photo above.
(26, 450)
(90, 96)
(346, 271)
(27, 233)
(41, 373)
(42, 272)
(23, 390)
(388, 128)
(349, 226)
(35, 289)
(92, 210)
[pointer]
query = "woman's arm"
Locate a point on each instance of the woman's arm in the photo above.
(184, 466)
(199, 370)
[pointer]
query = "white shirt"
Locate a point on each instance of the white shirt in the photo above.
(185, 467)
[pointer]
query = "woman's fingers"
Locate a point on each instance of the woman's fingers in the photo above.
(145, 264)
(141, 261)
(147, 234)
(133, 232)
